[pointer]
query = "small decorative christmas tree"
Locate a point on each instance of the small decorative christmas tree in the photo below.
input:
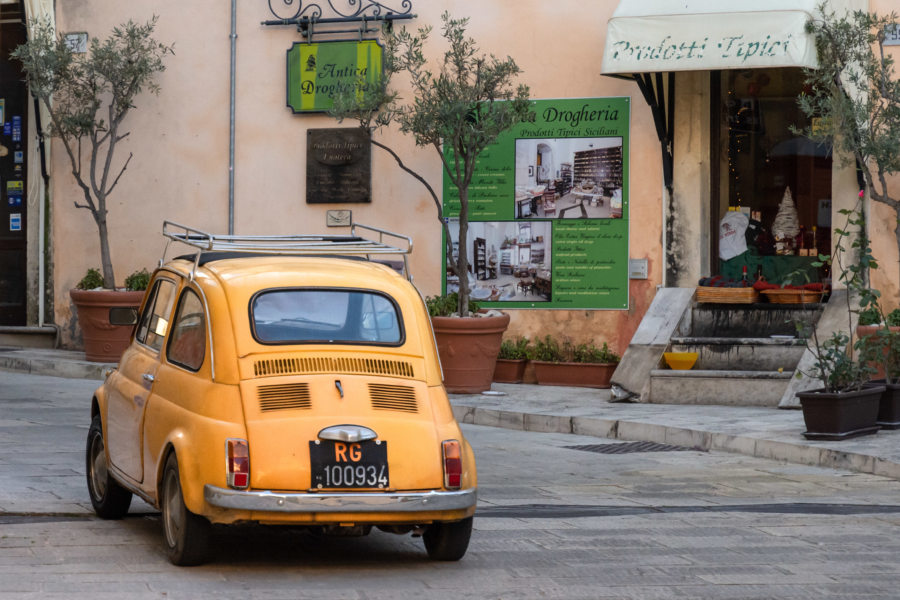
(785, 227)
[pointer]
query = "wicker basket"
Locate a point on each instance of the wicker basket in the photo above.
(792, 296)
(723, 295)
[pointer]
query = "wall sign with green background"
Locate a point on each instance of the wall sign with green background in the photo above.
(317, 72)
(549, 210)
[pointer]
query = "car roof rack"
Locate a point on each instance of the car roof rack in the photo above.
(364, 240)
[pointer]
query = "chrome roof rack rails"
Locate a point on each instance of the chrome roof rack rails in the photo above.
(363, 240)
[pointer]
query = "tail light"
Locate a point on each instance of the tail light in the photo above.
(452, 465)
(238, 463)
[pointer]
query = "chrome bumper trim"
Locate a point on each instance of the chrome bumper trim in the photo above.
(331, 502)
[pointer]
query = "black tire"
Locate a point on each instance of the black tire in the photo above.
(448, 541)
(186, 534)
(110, 500)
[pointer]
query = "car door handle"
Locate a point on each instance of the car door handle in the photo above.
(149, 377)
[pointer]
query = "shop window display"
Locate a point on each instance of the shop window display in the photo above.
(780, 180)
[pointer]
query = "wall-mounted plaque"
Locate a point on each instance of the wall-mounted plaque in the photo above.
(338, 166)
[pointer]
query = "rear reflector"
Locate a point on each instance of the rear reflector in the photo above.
(452, 465)
(237, 452)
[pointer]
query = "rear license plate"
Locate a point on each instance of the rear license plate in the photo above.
(348, 465)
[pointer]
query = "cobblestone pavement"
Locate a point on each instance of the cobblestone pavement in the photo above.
(553, 522)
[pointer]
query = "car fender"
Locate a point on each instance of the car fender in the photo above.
(178, 443)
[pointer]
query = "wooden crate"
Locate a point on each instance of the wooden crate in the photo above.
(792, 296)
(723, 295)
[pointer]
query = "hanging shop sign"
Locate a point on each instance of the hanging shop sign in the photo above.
(316, 73)
(548, 206)
(338, 165)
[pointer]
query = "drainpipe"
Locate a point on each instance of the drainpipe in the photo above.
(42, 256)
(231, 120)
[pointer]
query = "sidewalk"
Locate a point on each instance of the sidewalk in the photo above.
(762, 432)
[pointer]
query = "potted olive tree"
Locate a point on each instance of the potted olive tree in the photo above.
(458, 108)
(88, 97)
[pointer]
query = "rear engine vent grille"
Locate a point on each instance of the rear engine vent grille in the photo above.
(393, 397)
(328, 364)
(289, 396)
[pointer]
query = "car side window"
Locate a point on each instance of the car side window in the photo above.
(154, 322)
(187, 342)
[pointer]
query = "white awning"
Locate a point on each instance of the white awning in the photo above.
(645, 36)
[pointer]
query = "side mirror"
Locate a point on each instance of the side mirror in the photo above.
(123, 315)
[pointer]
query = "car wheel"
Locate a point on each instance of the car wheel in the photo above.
(187, 534)
(448, 541)
(110, 500)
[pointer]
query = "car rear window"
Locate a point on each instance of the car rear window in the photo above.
(289, 316)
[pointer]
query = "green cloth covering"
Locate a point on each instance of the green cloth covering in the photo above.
(776, 269)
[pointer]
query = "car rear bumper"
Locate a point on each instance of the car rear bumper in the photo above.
(338, 502)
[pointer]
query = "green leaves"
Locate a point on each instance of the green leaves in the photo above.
(88, 96)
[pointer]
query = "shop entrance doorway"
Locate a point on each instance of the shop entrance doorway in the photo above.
(13, 170)
(779, 179)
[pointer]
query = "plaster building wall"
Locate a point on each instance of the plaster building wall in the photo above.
(883, 219)
(179, 139)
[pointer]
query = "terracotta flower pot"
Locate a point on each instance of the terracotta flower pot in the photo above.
(593, 375)
(509, 370)
(103, 341)
(468, 349)
(840, 415)
(866, 330)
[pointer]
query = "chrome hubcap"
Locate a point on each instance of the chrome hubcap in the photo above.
(173, 509)
(98, 467)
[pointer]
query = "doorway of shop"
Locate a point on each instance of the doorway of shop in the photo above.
(13, 169)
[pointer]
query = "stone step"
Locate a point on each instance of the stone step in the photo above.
(28, 337)
(743, 354)
(713, 386)
(751, 320)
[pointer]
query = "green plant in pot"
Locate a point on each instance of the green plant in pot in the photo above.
(511, 360)
(879, 336)
(565, 363)
(88, 97)
(458, 107)
(847, 406)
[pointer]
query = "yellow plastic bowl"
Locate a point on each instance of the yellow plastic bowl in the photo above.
(680, 361)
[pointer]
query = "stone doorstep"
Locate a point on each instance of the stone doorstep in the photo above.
(747, 354)
(737, 341)
(730, 388)
(28, 336)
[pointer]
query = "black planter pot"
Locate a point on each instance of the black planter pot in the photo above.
(840, 415)
(889, 407)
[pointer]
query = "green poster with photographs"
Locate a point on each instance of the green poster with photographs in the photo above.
(548, 207)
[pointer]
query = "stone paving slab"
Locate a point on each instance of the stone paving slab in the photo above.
(753, 431)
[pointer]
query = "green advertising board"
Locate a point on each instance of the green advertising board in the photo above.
(317, 72)
(549, 210)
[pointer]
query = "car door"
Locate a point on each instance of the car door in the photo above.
(132, 383)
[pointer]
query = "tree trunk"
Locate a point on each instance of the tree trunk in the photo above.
(462, 265)
(897, 235)
(109, 278)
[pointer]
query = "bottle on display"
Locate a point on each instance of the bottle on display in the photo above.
(744, 277)
(800, 243)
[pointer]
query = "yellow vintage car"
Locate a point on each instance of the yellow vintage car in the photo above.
(290, 380)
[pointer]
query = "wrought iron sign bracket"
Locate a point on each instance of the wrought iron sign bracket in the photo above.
(309, 19)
